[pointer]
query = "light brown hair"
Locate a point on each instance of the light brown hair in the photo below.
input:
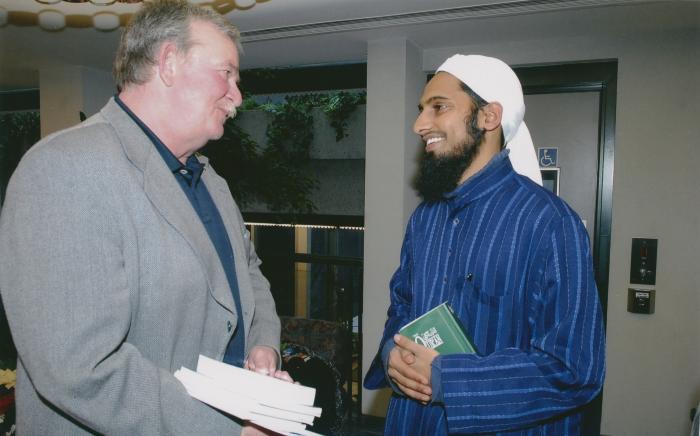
(155, 23)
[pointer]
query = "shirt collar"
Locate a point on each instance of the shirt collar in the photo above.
(190, 171)
(488, 179)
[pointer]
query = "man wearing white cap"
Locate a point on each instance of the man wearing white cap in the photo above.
(512, 260)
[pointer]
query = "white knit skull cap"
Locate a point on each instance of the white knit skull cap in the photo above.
(494, 81)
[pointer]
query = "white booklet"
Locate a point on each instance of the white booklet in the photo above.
(271, 403)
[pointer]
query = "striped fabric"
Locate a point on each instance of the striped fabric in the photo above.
(514, 262)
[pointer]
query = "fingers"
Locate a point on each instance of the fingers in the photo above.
(420, 353)
(410, 379)
(408, 357)
(416, 395)
(283, 375)
(262, 360)
(411, 388)
(405, 374)
(251, 429)
(259, 367)
(398, 364)
(407, 344)
(265, 370)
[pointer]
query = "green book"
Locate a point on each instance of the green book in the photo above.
(440, 330)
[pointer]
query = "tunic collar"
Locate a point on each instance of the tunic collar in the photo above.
(486, 181)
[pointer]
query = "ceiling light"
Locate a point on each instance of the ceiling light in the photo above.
(84, 13)
(105, 21)
(52, 20)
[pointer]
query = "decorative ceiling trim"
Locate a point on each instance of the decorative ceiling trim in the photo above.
(104, 15)
(441, 15)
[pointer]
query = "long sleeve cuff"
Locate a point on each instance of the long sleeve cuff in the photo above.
(436, 380)
(386, 349)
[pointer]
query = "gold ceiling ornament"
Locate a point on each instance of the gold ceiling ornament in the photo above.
(104, 15)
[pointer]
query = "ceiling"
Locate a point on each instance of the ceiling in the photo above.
(304, 32)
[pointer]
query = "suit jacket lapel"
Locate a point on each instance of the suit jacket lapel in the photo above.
(167, 197)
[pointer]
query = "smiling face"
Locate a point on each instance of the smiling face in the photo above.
(448, 126)
(207, 85)
(445, 112)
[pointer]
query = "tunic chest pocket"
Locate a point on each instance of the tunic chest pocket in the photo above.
(467, 297)
(472, 291)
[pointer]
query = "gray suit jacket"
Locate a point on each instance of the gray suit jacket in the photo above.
(111, 283)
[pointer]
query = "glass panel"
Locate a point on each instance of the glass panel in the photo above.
(316, 273)
(331, 292)
(333, 242)
(275, 247)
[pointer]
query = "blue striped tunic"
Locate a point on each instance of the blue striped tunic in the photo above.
(514, 262)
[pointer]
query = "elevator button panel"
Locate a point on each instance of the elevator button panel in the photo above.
(643, 262)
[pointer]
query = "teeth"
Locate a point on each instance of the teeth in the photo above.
(433, 140)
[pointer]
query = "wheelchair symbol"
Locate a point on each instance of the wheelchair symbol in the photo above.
(547, 159)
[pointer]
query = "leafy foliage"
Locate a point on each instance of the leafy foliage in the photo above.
(338, 107)
(263, 175)
(278, 174)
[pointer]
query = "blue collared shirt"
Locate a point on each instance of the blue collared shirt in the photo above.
(188, 177)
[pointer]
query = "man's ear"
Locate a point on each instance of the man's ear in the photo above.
(167, 63)
(492, 114)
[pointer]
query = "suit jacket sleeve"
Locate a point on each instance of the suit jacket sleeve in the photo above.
(265, 325)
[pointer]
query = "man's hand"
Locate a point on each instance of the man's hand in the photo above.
(263, 360)
(250, 429)
(410, 368)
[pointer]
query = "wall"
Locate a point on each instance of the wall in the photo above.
(573, 129)
(394, 83)
(66, 91)
(653, 362)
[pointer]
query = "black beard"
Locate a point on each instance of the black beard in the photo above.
(439, 175)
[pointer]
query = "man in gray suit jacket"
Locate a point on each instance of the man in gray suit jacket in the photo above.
(122, 253)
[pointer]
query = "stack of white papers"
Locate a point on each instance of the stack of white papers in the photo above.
(272, 403)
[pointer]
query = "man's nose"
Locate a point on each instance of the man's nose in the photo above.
(422, 123)
(234, 93)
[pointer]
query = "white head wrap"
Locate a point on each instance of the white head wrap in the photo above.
(494, 81)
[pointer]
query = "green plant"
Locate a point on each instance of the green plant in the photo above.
(290, 132)
(339, 106)
(265, 175)
(278, 174)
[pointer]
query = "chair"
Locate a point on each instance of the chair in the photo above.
(317, 353)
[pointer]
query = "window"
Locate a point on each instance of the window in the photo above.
(315, 272)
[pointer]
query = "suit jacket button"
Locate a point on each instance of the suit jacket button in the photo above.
(228, 326)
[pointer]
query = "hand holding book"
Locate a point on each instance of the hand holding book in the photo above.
(438, 331)
(409, 367)
(263, 360)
